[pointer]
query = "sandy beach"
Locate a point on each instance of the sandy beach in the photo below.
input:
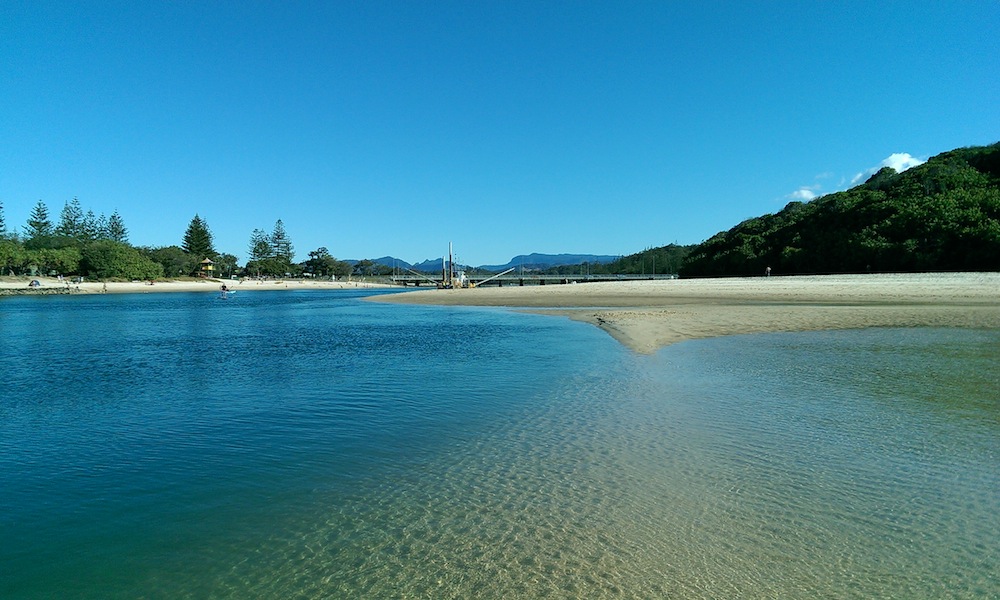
(647, 315)
(53, 285)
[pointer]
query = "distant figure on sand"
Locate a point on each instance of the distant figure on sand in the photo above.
(767, 272)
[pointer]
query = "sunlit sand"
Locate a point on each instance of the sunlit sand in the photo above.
(647, 315)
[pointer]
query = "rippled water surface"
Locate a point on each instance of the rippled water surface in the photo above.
(310, 444)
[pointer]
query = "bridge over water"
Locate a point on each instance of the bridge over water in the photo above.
(520, 280)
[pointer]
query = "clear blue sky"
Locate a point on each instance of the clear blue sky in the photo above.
(392, 128)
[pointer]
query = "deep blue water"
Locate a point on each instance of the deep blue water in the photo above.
(311, 444)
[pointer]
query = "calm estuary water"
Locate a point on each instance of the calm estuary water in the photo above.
(312, 445)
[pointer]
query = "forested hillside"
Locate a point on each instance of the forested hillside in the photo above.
(665, 260)
(943, 215)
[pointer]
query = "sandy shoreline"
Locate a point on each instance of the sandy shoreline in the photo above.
(647, 315)
(12, 285)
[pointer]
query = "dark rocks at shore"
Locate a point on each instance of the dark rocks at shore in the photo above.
(37, 291)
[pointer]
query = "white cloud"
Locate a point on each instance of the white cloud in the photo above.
(900, 161)
(803, 193)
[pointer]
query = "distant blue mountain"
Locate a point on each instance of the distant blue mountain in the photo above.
(428, 266)
(392, 261)
(389, 261)
(544, 261)
(527, 262)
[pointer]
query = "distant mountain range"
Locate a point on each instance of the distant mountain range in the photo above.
(527, 262)
(544, 261)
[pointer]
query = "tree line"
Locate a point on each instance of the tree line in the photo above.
(665, 260)
(79, 243)
(943, 215)
(84, 244)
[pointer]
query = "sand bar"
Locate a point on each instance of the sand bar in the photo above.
(647, 315)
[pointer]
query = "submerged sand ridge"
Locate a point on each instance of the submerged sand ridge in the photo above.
(647, 315)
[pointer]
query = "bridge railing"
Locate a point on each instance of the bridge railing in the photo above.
(534, 278)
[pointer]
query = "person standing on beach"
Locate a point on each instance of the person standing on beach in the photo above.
(767, 272)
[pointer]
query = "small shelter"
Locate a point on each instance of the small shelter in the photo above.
(207, 269)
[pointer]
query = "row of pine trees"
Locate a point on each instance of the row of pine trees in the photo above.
(73, 224)
(82, 243)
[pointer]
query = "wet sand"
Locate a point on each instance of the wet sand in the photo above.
(647, 315)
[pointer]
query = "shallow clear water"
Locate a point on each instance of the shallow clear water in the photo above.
(309, 444)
